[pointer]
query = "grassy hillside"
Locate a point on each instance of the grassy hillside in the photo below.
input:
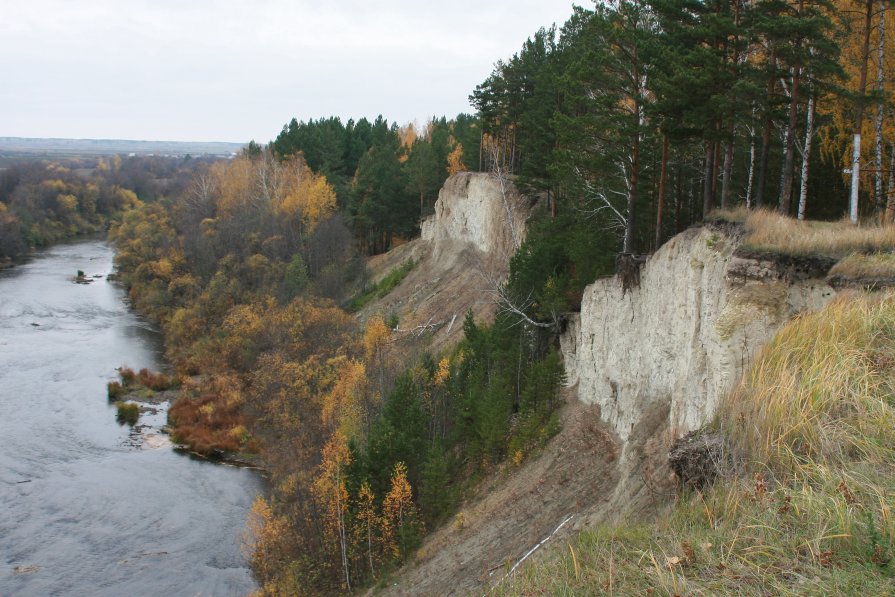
(803, 504)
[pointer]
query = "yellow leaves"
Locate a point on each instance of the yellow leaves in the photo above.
(376, 336)
(67, 202)
(342, 405)
(289, 188)
(163, 268)
(234, 180)
(265, 538)
(443, 371)
(455, 160)
(397, 508)
(127, 198)
(329, 486)
(54, 185)
(307, 196)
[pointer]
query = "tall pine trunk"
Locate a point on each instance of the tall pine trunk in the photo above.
(630, 225)
(766, 133)
(663, 177)
(708, 198)
(785, 200)
(751, 181)
(727, 170)
(890, 192)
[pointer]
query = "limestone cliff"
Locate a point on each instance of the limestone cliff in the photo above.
(684, 337)
(464, 250)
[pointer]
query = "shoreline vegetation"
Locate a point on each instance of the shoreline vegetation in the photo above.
(137, 389)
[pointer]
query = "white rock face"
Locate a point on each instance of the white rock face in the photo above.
(463, 252)
(477, 208)
(685, 336)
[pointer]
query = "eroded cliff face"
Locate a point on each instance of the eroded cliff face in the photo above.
(463, 252)
(684, 337)
(477, 209)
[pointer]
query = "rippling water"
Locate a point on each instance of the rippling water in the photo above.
(88, 507)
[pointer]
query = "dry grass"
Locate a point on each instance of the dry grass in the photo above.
(157, 382)
(206, 425)
(810, 513)
(768, 231)
(822, 391)
(875, 266)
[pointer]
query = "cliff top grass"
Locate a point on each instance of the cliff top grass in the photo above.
(769, 232)
(808, 507)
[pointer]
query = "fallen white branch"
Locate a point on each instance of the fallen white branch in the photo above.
(529, 552)
(422, 329)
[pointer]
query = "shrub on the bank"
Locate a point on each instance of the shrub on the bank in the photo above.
(115, 390)
(157, 382)
(128, 412)
(128, 375)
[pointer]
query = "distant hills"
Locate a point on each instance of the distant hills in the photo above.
(12, 147)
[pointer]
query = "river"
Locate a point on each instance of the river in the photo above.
(87, 506)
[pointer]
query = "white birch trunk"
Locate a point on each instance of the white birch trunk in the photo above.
(880, 81)
(806, 158)
(855, 179)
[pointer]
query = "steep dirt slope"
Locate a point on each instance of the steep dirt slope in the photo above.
(574, 482)
(464, 250)
(645, 367)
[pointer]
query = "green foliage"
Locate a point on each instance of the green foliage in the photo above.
(382, 288)
(115, 390)
(296, 279)
(127, 413)
(559, 257)
(438, 494)
(386, 176)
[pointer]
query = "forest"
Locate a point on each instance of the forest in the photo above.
(628, 123)
(47, 201)
(245, 272)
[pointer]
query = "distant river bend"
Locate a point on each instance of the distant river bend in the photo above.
(88, 507)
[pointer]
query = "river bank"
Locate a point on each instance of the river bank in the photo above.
(90, 506)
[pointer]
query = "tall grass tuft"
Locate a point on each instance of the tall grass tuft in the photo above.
(768, 231)
(822, 394)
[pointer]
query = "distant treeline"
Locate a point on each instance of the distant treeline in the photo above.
(42, 202)
(386, 177)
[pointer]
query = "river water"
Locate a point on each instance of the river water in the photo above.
(87, 506)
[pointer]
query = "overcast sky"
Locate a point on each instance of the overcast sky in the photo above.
(231, 70)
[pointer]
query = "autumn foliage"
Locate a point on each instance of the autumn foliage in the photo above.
(364, 452)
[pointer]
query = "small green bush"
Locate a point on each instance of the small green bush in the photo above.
(128, 412)
(377, 291)
(115, 390)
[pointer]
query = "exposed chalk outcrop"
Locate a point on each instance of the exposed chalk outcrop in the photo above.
(464, 250)
(686, 335)
(478, 209)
